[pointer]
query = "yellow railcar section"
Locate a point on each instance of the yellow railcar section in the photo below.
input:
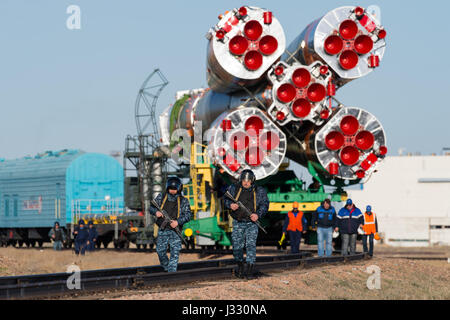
(285, 207)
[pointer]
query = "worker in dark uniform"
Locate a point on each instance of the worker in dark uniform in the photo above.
(81, 237)
(93, 235)
(57, 235)
(245, 231)
(179, 211)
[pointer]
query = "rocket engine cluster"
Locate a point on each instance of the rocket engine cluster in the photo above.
(267, 101)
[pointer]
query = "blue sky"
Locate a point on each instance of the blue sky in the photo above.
(63, 88)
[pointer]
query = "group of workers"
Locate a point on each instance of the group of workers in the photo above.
(85, 238)
(173, 211)
(349, 221)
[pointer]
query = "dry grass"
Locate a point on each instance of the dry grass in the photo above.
(22, 261)
(400, 279)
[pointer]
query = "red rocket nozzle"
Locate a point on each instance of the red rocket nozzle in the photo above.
(301, 77)
(239, 141)
(254, 156)
(238, 45)
(286, 93)
(333, 45)
(242, 11)
(253, 30)
(316, 92)
(254, 125)
(349, 125)
(334, 140)
(253, 60)
(220, 34)
(301, 108)
(363, 44)
(323, 70)
(268, 45)
(279, 70)
(360, 174)
(348, 29)
(364, 140)
(269, 140)
(383, 150)
(348, 59)
(280, 116)
(324, 114)
(349, 155)
(359, 11)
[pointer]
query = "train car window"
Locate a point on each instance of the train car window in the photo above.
(6, 205)
(15, 205)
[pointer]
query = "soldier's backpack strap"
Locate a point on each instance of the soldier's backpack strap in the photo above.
(238, 194)
(164, 201)
(254, 198)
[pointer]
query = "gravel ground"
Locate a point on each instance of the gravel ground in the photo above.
(400, 279)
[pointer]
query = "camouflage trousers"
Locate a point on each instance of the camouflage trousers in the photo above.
(244, 233)
(168, 238)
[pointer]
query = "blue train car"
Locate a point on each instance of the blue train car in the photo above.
(61, 186)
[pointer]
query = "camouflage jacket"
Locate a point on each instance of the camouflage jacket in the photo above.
(185, 210)
(262, 201)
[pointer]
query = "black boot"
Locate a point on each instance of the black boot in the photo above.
(250, 271)
(239, 271)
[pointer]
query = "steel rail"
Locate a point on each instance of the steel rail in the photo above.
(46, 285)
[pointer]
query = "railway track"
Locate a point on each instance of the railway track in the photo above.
(56, 284)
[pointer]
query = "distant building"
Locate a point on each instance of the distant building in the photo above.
(411, 197)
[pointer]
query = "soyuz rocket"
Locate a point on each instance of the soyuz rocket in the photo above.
(268, 101)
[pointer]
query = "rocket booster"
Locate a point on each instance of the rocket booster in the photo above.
(266, 102)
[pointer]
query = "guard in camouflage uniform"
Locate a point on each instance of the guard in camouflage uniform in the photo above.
(179, 211)
(245, 231)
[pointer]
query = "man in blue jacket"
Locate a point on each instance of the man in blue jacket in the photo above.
(245, 231)
(93, 235)
(325, 218)
(81, 237)
(179, 211)
(349, 219)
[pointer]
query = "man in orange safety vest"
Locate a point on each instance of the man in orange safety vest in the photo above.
(370, 228)
(295, 224)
